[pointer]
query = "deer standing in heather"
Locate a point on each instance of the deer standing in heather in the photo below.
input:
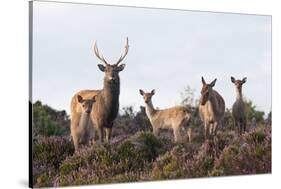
(81, 131)
(175, 118)
(106, 107)
(211, 108)
(238, 108)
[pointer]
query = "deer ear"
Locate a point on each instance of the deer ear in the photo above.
(244, 79)
(101, 67)
(213, 82)
(232, 79)
(80, 99)
(153, 92)
(141, 92)
(94, 98)
(203, 80)
(121, 67)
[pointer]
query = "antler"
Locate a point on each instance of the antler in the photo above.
(125, 52)
(98, 54)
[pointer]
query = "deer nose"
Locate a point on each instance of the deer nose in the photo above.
(88, 111)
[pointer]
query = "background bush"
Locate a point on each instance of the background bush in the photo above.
(49, 122)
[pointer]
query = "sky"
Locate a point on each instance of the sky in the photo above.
(169, 49)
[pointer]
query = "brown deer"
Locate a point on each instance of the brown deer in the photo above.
(107, 99)
(238, 108)
(80, 129)
(211, 108)
(174, 118)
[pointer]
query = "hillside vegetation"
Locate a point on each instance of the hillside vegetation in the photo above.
(135, 154)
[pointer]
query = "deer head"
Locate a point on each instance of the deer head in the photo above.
(206, 91)
(111, 70)
(238, 83)
(86, 104)
(147, 96)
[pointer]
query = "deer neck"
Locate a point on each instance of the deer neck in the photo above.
(238, 94)
(84, 120)
(149, 109)
(111, 91)
(110, 96)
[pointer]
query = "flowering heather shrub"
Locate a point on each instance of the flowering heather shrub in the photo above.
(215, 157)
(143, 157)
(167, 167)
(47, 154)
(249, 154)
(128, 161)
(203, 161)
(135, 154)
(170, 165)
(197, 134)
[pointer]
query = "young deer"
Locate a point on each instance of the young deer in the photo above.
(81, 131)
(172, 118)
(238, 108)
(211, 108)
(107, 99)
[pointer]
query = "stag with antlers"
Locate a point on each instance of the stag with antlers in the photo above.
(106, 106)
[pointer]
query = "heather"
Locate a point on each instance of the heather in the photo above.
(135, 154)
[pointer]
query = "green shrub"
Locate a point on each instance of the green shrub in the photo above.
(167, 167)
(49, 122)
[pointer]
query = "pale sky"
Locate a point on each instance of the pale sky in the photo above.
(169, 49)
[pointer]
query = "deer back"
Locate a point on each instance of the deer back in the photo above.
(171, 117)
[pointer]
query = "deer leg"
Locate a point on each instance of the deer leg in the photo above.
(206, 130)
(156, 132)
(74, 132)
(234, 125)
(242, 126)
(95, 137)
(245, 124)
(92, 136)
(90, 133)
(239, 127)
(215, 126)
(100, 131)
(176, 135)
(75, 142)
(211, 129)
(108, 132)
(189, 133)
